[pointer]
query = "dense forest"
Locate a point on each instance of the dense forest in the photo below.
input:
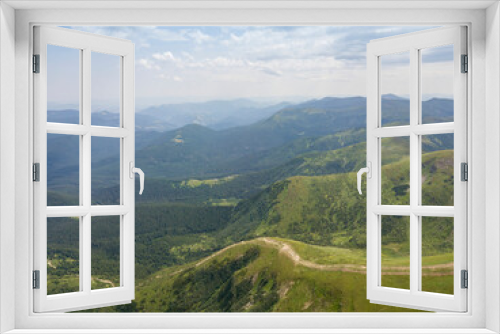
(261, 217)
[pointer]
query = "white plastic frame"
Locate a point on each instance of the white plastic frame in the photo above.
(415, 298)
(482, 46)
(86, 298)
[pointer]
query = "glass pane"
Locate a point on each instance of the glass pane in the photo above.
(396, 171)
(63, 255)
(395, 89)
(63, 169)
(105, 171)
(437, 84)
(63, 84)
(437, 169)
(396, 252)
(106, 89)
(105, 252)
(437, 254)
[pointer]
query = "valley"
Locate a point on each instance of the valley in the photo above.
(263, 217)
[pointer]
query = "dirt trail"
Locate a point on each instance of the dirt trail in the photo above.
(208, 258)
(105, 281)
(50, 264)
(288, 251)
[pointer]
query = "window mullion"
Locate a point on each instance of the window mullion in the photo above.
(85, 254)
(81, 231)
(86, 149)
(85, 167)
(414, 172)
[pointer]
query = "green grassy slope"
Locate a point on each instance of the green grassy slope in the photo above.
(268, 275)
(327, 210)
(322, 210)
(252, 277)
(319, 208)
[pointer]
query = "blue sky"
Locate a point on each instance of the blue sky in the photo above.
(179, 64)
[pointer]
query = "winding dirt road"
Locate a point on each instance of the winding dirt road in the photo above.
(105, 281)
(288, 251)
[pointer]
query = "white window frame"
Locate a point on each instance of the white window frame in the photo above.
(484, 49)
(415, 210)
(86, 44)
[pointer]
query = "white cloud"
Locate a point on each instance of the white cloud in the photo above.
(230, 61)
(164, 56)
(240, 67)
(187, 55)
(226, 62)
(148, 64)
(281, 43)
(198, 36)
(170, 77)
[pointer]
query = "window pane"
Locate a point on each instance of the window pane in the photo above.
(63, 169)
(63, 84)
(437, 169)
(396, 171)
(106, 89)
(105, 171)
(63, 255)
(395, 89)
(396, 252)
(105, 252)
(437, 84)
(437, 254)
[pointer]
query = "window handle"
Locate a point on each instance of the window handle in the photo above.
(368, 171)
(133, 171)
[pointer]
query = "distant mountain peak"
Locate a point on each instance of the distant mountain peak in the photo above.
(434, 99)
(194, 127)
(392, 97)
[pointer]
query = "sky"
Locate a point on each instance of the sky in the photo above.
(267, 63)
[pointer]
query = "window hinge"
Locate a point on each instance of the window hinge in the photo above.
(36, 172)
(36, 63)
(464, 171)
(36, 279)
(465, 279)
(465, 64)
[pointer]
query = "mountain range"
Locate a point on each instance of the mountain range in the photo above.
(216, 115)
(197, 151)
(260, 217)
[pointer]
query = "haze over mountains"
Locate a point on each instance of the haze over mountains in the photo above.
(195, 150)
(213, 114)
(225, 114)
(216, 115)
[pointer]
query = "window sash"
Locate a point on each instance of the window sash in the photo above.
(86, 298)
(414, 298)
